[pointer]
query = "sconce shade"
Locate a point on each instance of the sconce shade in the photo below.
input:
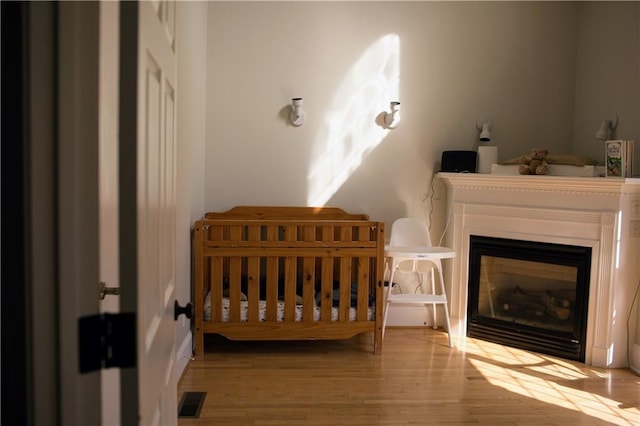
(605, 132)
(297, 115)
(485, 135)
(392, 119)
(484, 126)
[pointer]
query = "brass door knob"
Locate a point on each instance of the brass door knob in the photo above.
(104, 290)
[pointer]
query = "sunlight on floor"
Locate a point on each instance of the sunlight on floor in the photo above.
(349, 130)
(547, 379)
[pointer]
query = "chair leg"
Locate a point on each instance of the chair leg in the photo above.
(446, 316)
(384, 318)
(433, 291)
(446, 307)
(386, 302)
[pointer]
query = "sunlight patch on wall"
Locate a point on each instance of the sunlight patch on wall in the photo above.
(349, 130)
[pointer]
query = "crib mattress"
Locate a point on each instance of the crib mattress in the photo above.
(263, 309)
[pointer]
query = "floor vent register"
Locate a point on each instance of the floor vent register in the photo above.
(191, 404)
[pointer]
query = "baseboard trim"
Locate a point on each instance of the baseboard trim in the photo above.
(184, 354)
(634, 361)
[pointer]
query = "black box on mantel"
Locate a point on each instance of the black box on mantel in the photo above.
(459, 161)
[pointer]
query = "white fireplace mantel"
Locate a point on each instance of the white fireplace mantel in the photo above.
(554, 184)
(585, 211)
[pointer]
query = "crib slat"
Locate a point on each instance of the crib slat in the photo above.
(345, 288)
(253, 288)
(363, 276)
(346, 233)
(235, 277)
(346, 264)
(363, 288)
(327, 289)
(235, 281)
(308, 280)
(253, 278)
(326, 277)
(290, 277)
(272, 278)
(308, 288)
(216, 276)
(290, 288)
(272, 289)
(215, 284)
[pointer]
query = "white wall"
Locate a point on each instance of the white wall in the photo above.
(514, 62)
(448, 63)
(608, 74)
(191, 107)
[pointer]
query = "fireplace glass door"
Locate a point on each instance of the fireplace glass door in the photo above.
(529, 295)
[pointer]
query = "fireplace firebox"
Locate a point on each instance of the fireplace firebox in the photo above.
(529, 295)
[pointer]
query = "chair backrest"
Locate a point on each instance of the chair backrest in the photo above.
(409, 232)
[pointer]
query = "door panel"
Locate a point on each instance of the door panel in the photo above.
(148, 205)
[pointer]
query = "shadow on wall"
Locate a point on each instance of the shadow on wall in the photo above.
(349, 132)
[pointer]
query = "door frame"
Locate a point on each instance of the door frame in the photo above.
(41, 132)
(78, 201)
(19, 188)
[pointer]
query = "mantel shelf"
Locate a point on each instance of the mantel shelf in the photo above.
(546, 183)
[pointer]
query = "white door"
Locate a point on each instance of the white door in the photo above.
(147, 206)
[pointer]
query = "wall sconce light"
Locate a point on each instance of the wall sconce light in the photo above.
(484, 126)
(605, 132)
(297, 115)
(392, 119)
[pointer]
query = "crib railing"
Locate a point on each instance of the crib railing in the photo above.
(318, 266)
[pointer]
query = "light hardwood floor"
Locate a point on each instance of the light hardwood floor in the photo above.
(418, 379)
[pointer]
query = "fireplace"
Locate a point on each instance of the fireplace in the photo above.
(596, 214)
(529, 295)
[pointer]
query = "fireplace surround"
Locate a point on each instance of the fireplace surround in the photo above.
(594, 213)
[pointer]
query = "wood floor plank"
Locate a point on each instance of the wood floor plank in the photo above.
(417, 380)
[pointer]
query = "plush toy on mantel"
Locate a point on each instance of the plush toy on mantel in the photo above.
(535, 163)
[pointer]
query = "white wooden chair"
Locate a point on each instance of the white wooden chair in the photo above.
(410, 250)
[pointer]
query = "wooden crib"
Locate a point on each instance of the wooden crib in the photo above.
(288, 273)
